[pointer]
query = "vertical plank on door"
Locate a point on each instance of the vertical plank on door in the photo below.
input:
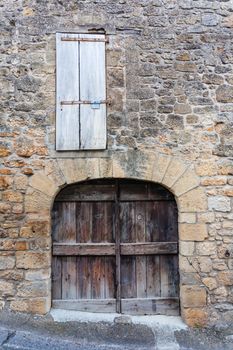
(128, 277)
(153, 276)
(169, 276)
(140, 236)
(64, 227)
(96, 272)
(110, 277)
(83, 277)
(152, 223)
(69, 277)
(84, 222)
(56, 277)
(127, 222)
(67, 89)
(92, 88)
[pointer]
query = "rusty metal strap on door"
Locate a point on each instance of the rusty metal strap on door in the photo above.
(105, 40)
(84, 102)
(94, 104)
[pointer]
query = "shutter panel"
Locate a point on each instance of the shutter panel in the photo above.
(67, 89)
(92, 88)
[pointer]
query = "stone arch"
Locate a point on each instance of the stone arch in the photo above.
(174, 173)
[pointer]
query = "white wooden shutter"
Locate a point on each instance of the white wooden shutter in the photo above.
(67, 89)
(92, 88)
(81, 92)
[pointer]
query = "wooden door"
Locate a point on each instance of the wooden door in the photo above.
(115, 248)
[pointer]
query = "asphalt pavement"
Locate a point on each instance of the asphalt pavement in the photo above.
(24, 332)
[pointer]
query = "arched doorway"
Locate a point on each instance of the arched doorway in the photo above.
(115, 248)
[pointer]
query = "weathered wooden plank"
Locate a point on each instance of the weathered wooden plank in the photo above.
(128, 277)
(154, 306)
(96, 277)
(157, 193)
(56, 277)
(93, 88)
(84, 249)
(84, 222)
(153, 276)
(68, 278)
(167, 220)
(102, 222)
(141, 278)
(117, 234)
(67, 89)
(88, 192)
(64, 223)
(152, 223)
(169, 276)
(96, 305)
(83, 277)
(110, 277)
(133, 191)
(127, 222)
(149, 248)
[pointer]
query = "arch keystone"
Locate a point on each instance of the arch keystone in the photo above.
(80, 169)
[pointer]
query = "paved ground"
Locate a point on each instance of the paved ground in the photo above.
(24, 332)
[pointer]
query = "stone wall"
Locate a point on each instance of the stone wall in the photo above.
(170, 82)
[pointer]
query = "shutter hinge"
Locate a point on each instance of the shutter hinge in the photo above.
(95, 104)
(105, 40)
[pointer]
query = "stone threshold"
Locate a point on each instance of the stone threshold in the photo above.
(153, 321)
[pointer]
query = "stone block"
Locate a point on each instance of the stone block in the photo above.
(6, 289)
(133, 164)
(185, 265)
(209, 19)
(206, 248)
(42, 183)
(54, 173)
(205, 264)
(160, 166)
(195, 317)
(182, 108)
(210, 282)
(32, 260)
(224, 94)
(225, 278)
(207, 168)
(219, 203)
(208, 217)
(186, 248)
(37, 275)
(5, 208)
(193, 201)
(193, 232)
(186, 182)
(189, 218)
(213, 181)
(7, 262)
(33, 289)
(39, 306)
(105, 168)
(37, 202)
(193, 296)
(173, 172)
(5, 182)
(75, 170)
(12, 196)
(228, 21)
